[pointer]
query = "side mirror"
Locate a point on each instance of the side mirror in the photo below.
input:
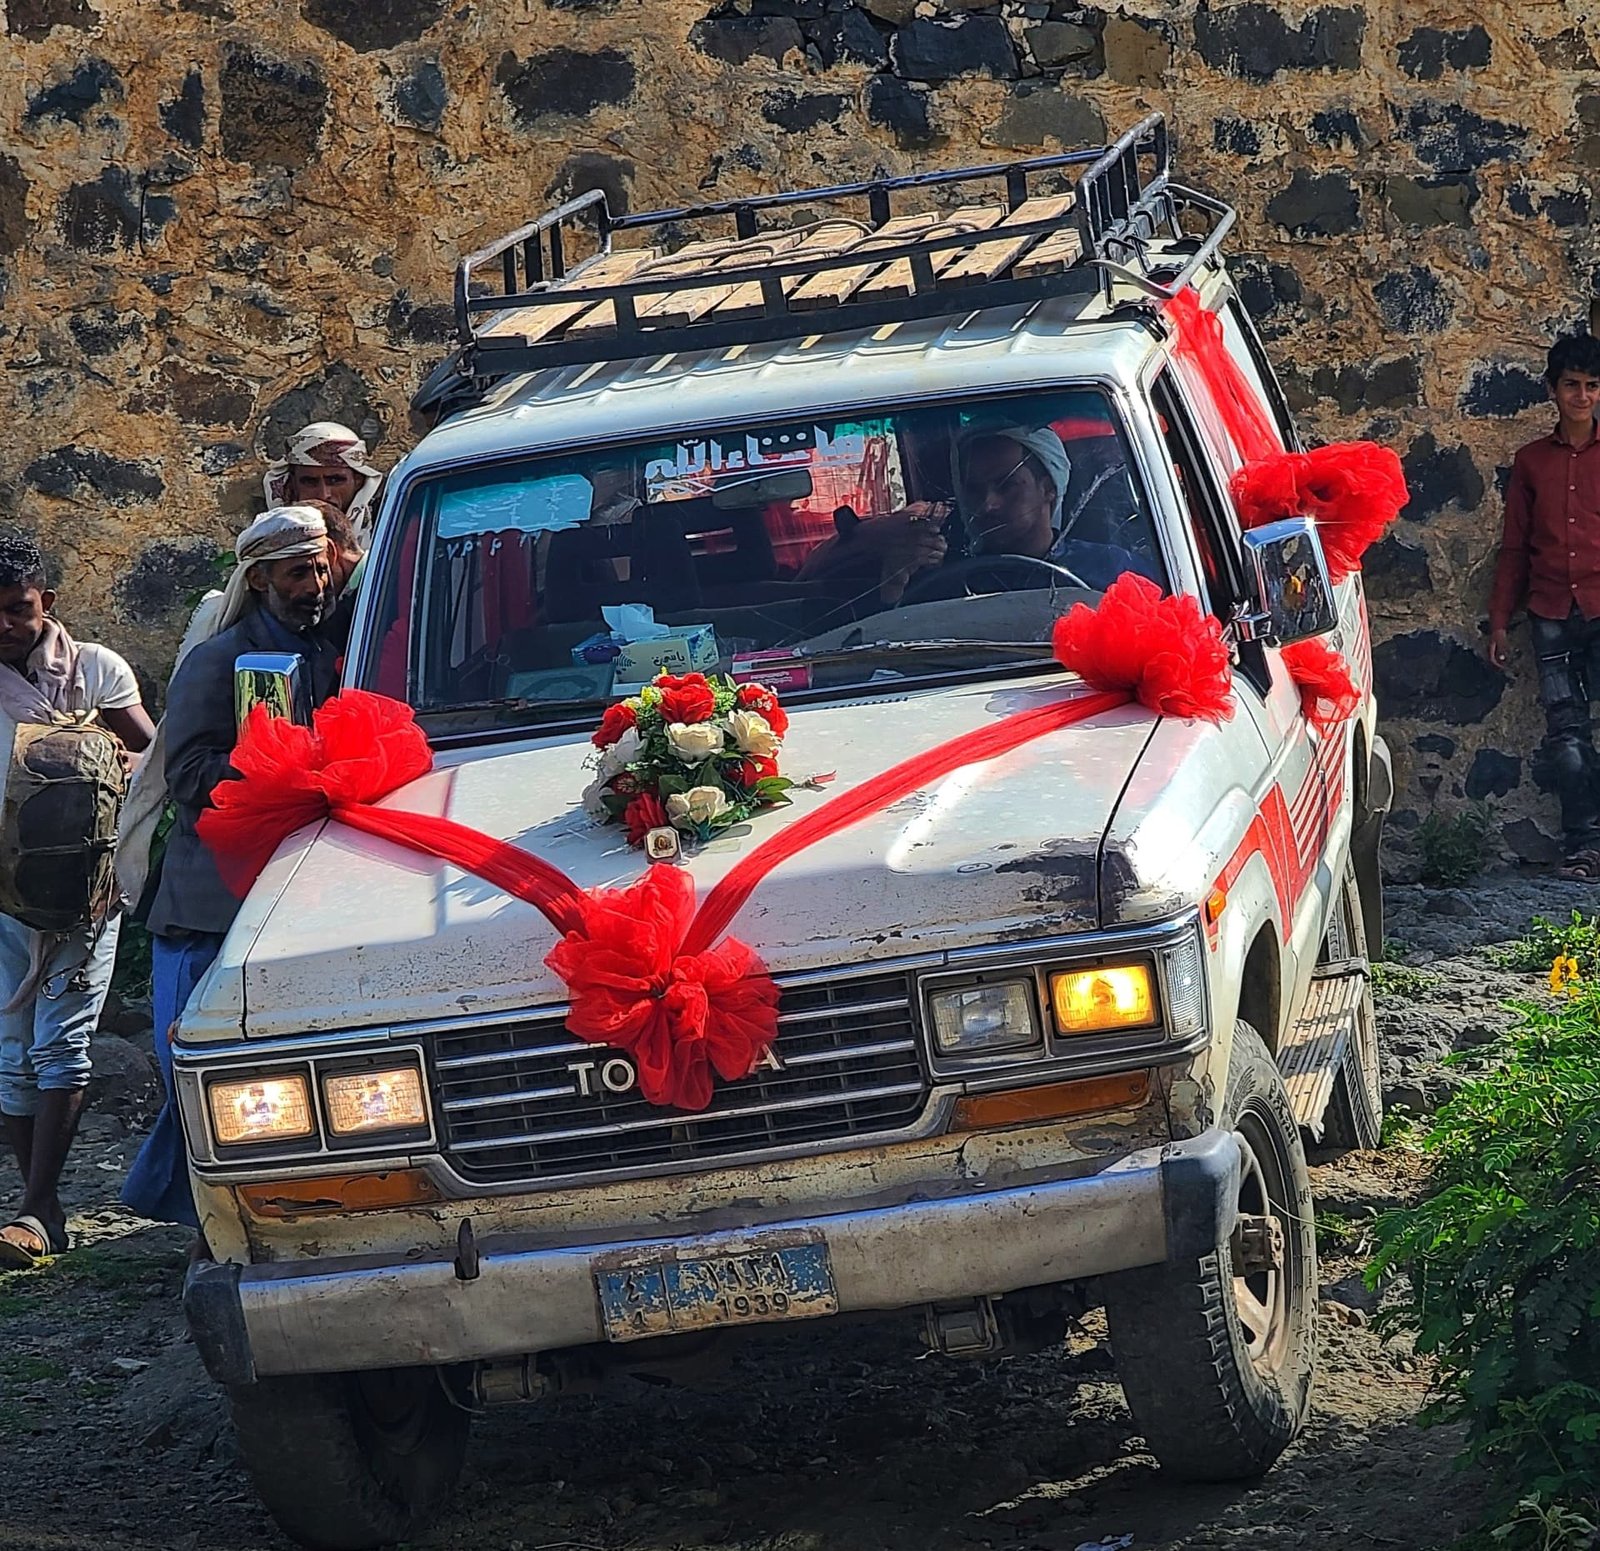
(271, 679)
(1291, 594)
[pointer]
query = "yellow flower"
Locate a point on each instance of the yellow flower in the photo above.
(1564, 975)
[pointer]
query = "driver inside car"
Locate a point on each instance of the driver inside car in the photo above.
(1012, 482)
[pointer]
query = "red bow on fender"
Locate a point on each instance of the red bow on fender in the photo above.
(648, 973)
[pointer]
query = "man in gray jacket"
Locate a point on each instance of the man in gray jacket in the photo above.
(274, 603)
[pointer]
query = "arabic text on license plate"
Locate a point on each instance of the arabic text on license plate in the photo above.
(663, 1292)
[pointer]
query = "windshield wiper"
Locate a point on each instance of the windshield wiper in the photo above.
(506, 708)
(1040, 649)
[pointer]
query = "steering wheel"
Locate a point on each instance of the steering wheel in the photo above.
(1002, 573)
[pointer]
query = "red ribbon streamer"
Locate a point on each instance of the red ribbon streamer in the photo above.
(1199, 344)
(647, 973)
(1351, 490)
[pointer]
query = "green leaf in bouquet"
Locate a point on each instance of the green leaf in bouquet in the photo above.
(772, 789)
(614, 805)
(669, 785)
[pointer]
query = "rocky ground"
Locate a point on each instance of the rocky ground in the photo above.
(815, 1440)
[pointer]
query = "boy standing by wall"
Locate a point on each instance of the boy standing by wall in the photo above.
(1550, 564)
(52, 985)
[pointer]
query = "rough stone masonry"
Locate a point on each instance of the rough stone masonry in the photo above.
(221, 218)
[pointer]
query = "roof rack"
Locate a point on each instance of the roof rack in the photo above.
(866, 262)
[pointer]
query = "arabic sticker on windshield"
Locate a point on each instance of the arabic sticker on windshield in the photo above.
(548, 505)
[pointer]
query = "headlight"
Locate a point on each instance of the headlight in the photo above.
(261, 1109)
(977, 1019)
(1102, 1000)
(363, 1102)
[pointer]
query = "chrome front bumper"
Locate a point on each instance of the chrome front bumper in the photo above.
(318, 1316)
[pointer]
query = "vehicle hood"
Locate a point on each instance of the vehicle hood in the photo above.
(344, 930)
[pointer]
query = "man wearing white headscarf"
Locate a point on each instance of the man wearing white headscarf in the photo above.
(1011, 483)
(274, 602)
(328, 462)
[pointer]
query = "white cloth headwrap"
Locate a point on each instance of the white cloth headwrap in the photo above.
(283, 534)
(49, 686)
(1043, 443)
(323, 443)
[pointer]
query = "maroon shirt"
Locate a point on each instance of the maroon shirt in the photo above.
(1550, 551)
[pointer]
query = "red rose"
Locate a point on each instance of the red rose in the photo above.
(752, 769)
(617, 720)
(758, 698)
(644, 813)
(686, 699)
(625, 783)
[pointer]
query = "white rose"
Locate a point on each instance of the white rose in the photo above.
(697, 806)
(593, 805)
(754, 734)
(695, 742)
(623, 752)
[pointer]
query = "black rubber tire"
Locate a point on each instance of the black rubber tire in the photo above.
(1207, 1409)
(334, 1476)
(1354, 1117)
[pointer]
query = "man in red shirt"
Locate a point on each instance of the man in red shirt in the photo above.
(1550, 564)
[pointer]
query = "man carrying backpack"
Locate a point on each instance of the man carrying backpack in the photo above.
(52, 984)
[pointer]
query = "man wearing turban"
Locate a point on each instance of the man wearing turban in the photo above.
(1011, 485)
(327, 462)
(274, 602)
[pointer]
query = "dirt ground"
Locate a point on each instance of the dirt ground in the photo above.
(819, 1439)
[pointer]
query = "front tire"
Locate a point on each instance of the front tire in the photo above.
(1216, 1354)
(350, 1461)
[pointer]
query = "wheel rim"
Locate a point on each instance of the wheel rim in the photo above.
(1261, 1290)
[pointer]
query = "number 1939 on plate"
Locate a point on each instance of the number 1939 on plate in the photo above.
(663, 1293)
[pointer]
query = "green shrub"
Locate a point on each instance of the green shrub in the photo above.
(1504, 1267)
(130, 976)
(1401, 980)
(1455, 848)
(1577, 939)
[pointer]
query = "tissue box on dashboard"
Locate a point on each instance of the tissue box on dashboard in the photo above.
(601, 647)
(684, 649)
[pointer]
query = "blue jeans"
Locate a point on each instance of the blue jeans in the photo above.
(157, 1185)
(44, 1044)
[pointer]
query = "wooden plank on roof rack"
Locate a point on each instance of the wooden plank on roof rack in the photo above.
(819, 241)
(689, 303)
(531, 324)
(692, 259)
(1059, 251)
(833, 286)
(895, 279)
(989, 260)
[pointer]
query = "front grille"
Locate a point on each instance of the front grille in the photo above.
(512, 1109)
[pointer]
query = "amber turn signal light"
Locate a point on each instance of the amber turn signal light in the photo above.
(331, 1194)
(1053, 1101)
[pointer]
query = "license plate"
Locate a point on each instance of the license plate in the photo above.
(665, 1292)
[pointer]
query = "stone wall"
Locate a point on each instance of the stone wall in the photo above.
(220, 218)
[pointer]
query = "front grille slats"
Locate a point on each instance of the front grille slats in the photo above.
(512, 1110)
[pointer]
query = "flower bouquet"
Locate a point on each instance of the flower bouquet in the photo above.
(688, 751)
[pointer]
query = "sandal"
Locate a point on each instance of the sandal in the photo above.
(17, 1253)
(1581, 866)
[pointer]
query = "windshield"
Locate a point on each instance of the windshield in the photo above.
(814, 553)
